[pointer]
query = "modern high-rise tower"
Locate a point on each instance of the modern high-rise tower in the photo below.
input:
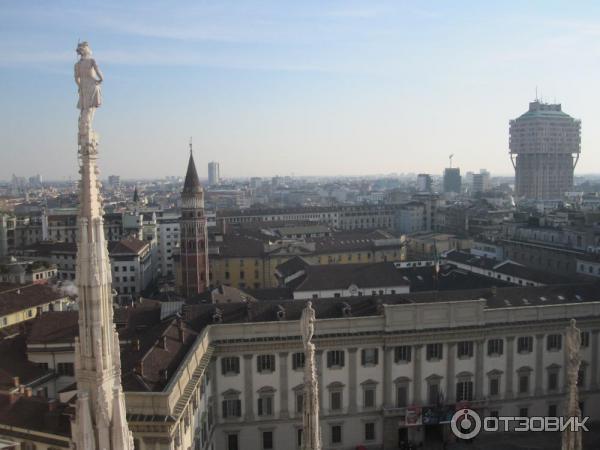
(192, 273)
(214, 175)
(544, 147)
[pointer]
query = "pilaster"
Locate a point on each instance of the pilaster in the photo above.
(510, 366)
(352, 379)
(479, 369)
(283, 385)
(450, 372)
(417, 378)
(539, 365)
(248, 389)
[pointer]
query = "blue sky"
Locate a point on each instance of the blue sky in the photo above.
(288, 87)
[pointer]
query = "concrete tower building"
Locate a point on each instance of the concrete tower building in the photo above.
(214, 175)
(452, 180)
(100, 419)
(544, 147)
(192, 274)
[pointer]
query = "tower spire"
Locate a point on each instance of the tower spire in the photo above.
(100, 400)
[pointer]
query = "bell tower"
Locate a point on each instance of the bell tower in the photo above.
(192, 276)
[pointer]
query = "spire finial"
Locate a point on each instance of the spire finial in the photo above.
(191, 145)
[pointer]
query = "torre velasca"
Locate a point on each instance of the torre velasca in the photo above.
(544, 147)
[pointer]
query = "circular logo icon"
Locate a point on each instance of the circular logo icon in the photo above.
(465, 424)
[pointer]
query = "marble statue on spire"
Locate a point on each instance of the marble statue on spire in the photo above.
(311, 432)
(88, 78)
(100, 415)
(571, 439)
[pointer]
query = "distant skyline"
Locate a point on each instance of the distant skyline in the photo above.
(279, 87)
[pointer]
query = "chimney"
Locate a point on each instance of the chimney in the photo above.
(163, 342)
(13, 397)
(494, 291)
(139, 368)
(28, 392)
(52, 405)
(16, 382)
(164, 375)
(180, 330)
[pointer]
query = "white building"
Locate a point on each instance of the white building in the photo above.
(168, 241)
(214, 173)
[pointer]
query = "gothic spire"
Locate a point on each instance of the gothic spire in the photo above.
(192, 182)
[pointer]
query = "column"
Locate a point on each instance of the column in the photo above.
(417, 378)
(388, 361)
(510, 366)
(450, 372)
(352, 379)
(539, 364)
(215, 390)
(248, 389)
(319, 365)
(283, 385)
(479, 369)
(594, 369)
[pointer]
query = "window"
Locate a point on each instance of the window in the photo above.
(464, 349)
(336, 434)
(464, 390)
(524, 383)
(369, 431)
(435, 352)
(299, 401)
(553, 380)
(232, 407)
(131, 268)
(433, 393)
(585, 339)
(552, 410)
(230, 365)
(335, 400)
(369, 356)
(402, 353)
(232, 442)
(401, 395)
(267, 440)
(525, 344)
(495, 347)
(523, 412)
(265, 363)
(298, 361)
(66, 369)
(299, 437)
(554, 342)
(369, 392)
(265, 405)
(335, 358)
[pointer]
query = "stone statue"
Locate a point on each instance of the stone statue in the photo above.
(311, 433)
(307, 324)
(88, 78)
(571, 440)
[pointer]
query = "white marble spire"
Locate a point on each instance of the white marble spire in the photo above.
(100, 422)
(311, 431)
(571, 439)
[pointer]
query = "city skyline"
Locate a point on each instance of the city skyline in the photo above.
(343, 88)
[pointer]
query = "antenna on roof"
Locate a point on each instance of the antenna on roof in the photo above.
(536, 95)
(450, 158)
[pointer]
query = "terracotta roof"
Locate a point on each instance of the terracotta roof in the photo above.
(18, 298)
(341, 276)
(127, 246)
(14, 363)
(34, 413)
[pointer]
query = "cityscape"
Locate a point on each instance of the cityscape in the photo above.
(237, 305)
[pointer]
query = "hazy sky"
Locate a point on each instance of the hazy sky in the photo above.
(292, 87)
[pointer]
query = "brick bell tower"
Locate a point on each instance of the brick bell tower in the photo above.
(192, 276)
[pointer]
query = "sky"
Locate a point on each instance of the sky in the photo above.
(287, 87)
